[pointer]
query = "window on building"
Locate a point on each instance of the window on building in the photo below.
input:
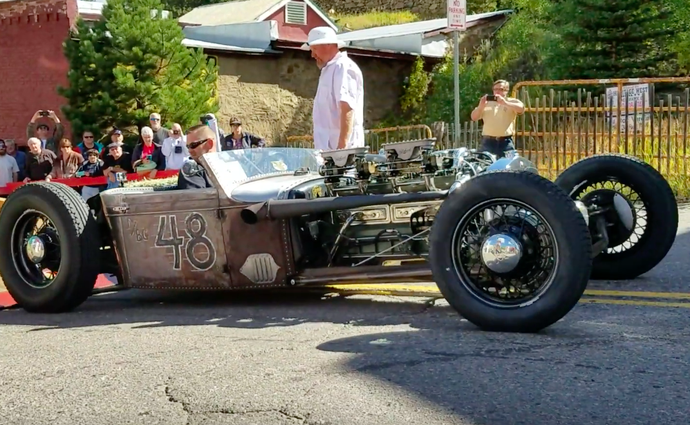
(296, 13)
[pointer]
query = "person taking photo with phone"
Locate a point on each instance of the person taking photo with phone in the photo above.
(498, 112)
(175, 148)
(42, 132)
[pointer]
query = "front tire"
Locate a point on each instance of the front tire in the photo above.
(651, 208)
(510, 252)
(52, 256)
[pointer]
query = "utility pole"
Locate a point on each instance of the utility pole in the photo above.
(457, 21)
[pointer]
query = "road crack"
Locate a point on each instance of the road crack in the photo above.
(190, 411)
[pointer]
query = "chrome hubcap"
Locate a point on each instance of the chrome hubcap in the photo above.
(501, 253)
(35, 249)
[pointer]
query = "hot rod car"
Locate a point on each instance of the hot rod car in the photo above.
(509, 249)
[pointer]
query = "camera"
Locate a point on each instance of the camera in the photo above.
(205, 119)
(178, 149)
(44, 113)
(490, 98)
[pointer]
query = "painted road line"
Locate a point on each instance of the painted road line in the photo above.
(433, 290)
(639, 294)
(634, 302)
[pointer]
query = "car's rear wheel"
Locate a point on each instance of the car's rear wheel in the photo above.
(510, 252)
(638, 206)
(52, 251)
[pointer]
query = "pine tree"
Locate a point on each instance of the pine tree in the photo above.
(612, 39)
(132, 63)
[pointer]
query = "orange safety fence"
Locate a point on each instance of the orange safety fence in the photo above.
(92, 181)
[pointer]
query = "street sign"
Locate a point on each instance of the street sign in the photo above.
(457, 14)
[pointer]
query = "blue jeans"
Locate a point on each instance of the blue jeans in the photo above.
(112, 184)
(497, 145)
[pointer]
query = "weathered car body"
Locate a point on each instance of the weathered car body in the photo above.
(491, 233)
(230, 254)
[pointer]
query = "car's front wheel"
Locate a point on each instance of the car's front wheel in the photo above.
(51, 247)
(510, 252)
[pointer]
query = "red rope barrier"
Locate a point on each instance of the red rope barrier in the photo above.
(91, 181)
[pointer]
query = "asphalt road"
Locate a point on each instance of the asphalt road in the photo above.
(152, 358)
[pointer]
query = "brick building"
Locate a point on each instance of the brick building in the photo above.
(32, 64)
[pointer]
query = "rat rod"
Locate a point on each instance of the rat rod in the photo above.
(509, 249)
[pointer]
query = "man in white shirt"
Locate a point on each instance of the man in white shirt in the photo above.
(9, 170)
(175, 148)
(338, 112)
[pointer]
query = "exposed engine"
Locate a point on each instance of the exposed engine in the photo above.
(386, 231)
(410, 166)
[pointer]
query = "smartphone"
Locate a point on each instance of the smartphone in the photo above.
(80, 174)
(490, 97)
(149, 157)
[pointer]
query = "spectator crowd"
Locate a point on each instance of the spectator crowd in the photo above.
(52, 156)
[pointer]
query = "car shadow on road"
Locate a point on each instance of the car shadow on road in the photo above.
(151, 308)
(155, 309)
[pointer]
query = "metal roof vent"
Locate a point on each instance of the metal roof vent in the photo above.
(296, 13)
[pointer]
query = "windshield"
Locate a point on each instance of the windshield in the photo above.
(233, 166)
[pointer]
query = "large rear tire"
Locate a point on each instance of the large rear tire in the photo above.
(52, 251)
(642, 226)
(510, 252)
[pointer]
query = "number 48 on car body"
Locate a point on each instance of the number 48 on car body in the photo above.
(195, 230)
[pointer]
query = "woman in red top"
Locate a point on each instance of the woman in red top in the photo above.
(148, 156)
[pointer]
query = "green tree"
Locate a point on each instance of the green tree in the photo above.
(680, 16)
(613, 39)
(132, 63)
(516, 53)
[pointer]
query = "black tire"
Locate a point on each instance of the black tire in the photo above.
(659, 202)
(77, 243)
(568, 231)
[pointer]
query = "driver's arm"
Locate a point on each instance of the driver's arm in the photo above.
(191, 180)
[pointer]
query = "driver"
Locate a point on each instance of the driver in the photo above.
(200, 140)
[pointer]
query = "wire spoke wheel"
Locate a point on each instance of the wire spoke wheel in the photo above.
(35, 249)
(510, 251)
(53, 247)
(639, 211)
(505, 253)
(633, 211)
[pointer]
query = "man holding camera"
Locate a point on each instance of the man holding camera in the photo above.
(175, 149)
(498, 113)
(40, 131)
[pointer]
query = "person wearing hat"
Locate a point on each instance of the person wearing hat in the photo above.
(92, 167)
(239, 139)
(41, 131)
(338, 113)
(116, 161)
(9, 170)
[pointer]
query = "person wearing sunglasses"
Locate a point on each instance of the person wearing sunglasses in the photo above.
(200, 140)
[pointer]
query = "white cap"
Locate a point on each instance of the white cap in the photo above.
(322, 35)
